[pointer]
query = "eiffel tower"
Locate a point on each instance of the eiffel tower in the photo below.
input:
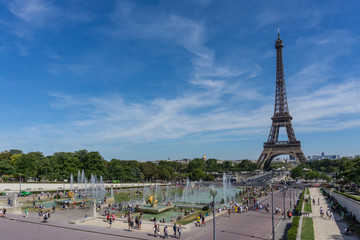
(281, 118)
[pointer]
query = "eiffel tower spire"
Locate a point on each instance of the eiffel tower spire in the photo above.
(282, 118)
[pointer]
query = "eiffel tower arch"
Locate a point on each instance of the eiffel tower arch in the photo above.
(282, 118)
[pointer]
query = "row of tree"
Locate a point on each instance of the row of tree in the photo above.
(346, 169)
(61, 165)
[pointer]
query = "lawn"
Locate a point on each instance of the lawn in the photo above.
(307, 230)
(307, 207)
(192, 217)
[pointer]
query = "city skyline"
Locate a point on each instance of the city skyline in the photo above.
(165, 79)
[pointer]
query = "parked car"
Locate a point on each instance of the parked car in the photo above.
(24, 193)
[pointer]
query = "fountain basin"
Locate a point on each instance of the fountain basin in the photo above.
(154, 210)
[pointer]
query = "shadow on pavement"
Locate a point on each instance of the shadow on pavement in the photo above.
(241, 234)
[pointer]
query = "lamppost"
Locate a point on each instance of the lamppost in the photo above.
(272, 209)
(284, 194)
(20, 184)
(290, 198)
(213, 193)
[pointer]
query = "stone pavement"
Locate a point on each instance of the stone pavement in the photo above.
(247, 226)
(284, 224)
(251, 225)
(324, 228)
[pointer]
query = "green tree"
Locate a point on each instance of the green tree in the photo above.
(297, 172)
(197, 174)
(196, 163)
(149, 169)
(211, 165)
(247, 165)
(28, 164)
(6, 167)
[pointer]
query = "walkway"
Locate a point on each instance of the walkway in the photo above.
(326, 229)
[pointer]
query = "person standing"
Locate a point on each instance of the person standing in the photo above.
(198, 220)
(203, 221)
(26, 212)
(179, 231)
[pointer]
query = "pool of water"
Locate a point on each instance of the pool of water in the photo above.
(160, 216)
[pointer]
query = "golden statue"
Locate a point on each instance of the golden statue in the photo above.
(152, 201)
(71, 194)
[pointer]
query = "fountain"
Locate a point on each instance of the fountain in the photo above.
(71, 181)
(154, 207)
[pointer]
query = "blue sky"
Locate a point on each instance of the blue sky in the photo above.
(150, 80)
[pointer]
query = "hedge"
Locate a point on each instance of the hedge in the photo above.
(292, 232)
(346, 195)
(300, 203)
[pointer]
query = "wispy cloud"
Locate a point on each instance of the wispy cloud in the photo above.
(325, 109)
(174, 29)
(206, 114)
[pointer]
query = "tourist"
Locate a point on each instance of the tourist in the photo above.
(45, 217)
(132, 224)
(108, 217)
(155, 229)
(113, 216)
(198, 220)
(203, 220)
(158, 230)
(165, 232)
(4, 212)
(179, 231)
(229, 212)
(110, 222)
(175, 230)
(140, 222)
(137, 222)
(26, 212)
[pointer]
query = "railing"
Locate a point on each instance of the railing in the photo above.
(276, 144)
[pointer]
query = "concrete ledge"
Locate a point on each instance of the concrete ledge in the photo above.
(82, 220)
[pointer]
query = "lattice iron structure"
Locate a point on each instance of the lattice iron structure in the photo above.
(282, 118)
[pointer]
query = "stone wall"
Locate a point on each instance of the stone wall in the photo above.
(350, 204)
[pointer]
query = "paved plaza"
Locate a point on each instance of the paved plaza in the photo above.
(250, 225)
(246, 226)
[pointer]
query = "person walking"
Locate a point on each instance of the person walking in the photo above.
(26, 212)
(155, 229)
(179, 231)
(110, 222)
(158, 230)
(165, 232)
(203, 221)
(175, 230)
